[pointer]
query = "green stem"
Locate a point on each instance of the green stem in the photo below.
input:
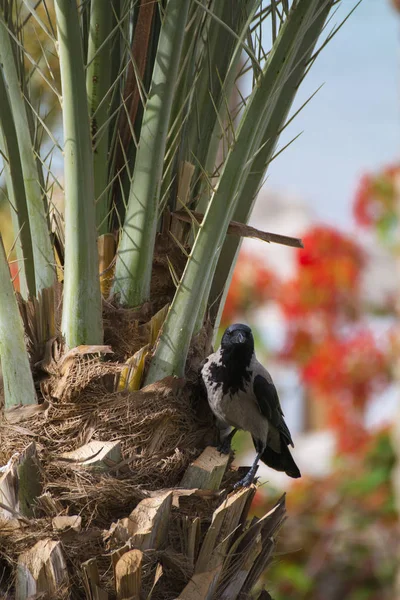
(18, 382)
(81, 319)
(98, 81)
(135, 253)
(204, 300)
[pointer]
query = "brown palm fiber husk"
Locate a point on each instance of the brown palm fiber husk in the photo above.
(162, 428)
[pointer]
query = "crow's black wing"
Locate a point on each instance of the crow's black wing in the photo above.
(268, 402)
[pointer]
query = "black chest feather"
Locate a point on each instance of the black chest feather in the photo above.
(232, 373)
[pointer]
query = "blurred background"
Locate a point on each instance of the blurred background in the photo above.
(326, 318)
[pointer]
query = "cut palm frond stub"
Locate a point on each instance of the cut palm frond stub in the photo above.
(242, 230)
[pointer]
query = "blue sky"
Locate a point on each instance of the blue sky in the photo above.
(353, 124)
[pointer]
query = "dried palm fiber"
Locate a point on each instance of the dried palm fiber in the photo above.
(160, 428)
(16, 537)
(93, 542)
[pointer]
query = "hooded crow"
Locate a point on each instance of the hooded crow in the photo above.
(242, 395)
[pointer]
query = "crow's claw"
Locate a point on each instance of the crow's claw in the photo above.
(245, 482)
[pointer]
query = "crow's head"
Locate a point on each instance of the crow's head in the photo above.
(238, 337)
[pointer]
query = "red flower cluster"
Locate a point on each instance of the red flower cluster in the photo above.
(328, 275)
(340, 370)
(342, 373)
(348, 423)
(376, 198)
(352, 367)
(252, 285)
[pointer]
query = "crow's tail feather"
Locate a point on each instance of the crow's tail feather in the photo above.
(282, 461)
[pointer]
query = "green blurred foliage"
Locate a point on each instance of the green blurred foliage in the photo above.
(341, 540)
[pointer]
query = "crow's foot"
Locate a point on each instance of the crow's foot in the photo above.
(245, 482)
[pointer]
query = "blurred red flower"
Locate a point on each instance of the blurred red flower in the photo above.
(328, 275)
(351, 366)
(376, 199)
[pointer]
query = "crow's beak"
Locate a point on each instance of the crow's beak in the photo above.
(239, 338)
